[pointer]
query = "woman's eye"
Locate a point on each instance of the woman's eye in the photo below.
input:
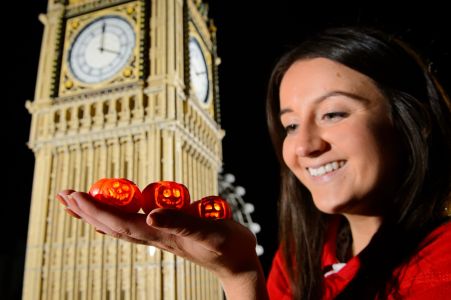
(290, 128)
(334, 116)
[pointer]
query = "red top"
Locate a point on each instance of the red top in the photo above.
(426, 276)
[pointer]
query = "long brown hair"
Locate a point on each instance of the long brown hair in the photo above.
(421, 113)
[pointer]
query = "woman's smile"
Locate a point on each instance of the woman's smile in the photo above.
(325, 169)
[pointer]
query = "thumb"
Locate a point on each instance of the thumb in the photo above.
(182, 224)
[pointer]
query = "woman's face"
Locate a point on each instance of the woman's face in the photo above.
(340, 141)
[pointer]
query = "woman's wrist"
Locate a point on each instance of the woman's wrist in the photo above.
(246, 285)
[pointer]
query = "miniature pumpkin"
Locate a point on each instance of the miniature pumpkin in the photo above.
(211, 207)
(165, 194)
(118, 192)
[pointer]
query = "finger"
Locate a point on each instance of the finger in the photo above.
(125, 226)
(179, 222)
(61, 200)
(128, 226)
(125, 238)
(66, 192)
(74, 210)
(85, 208)
(61, 196)
(211, 234)
(71, 213)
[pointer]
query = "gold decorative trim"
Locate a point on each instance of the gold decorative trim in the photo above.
(78, 7)
(130, 11)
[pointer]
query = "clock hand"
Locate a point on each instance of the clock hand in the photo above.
(102, 37)
(111, 51)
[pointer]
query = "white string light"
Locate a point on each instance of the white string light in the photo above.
(241, 210)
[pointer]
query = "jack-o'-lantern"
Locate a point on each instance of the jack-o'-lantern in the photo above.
(165, 194)
(118, 192)
(211, 207)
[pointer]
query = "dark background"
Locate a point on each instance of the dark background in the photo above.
(251, 36)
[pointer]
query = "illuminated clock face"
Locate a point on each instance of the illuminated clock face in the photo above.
(198, 71)
(102, 49)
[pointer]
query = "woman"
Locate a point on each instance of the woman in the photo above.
(362, 132)
(363, 127)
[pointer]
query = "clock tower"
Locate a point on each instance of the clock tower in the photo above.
(125, 88)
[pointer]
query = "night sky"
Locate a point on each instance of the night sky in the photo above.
(250, 39)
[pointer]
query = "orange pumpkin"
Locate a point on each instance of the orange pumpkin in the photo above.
(211, 207)
(165, 194)
(118, 192)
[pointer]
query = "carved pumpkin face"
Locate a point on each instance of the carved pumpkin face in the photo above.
(165, 194)
(118, 192)
(212, 207)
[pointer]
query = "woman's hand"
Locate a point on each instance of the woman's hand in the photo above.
(225, 247)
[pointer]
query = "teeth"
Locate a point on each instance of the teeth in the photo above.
(326, 168)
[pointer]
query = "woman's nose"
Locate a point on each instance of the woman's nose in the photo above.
(310, 143)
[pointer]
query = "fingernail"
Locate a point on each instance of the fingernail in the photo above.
(71, 213)
(71, 201)
(99, 231)
(61, 200)
(157, 220)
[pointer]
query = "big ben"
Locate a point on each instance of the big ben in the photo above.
(124, 89)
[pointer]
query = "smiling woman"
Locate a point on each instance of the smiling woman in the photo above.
(340, 140)
(362, 131)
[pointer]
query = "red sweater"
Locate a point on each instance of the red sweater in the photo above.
(426, 276)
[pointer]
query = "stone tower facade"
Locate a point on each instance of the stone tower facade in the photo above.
(130, 107)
